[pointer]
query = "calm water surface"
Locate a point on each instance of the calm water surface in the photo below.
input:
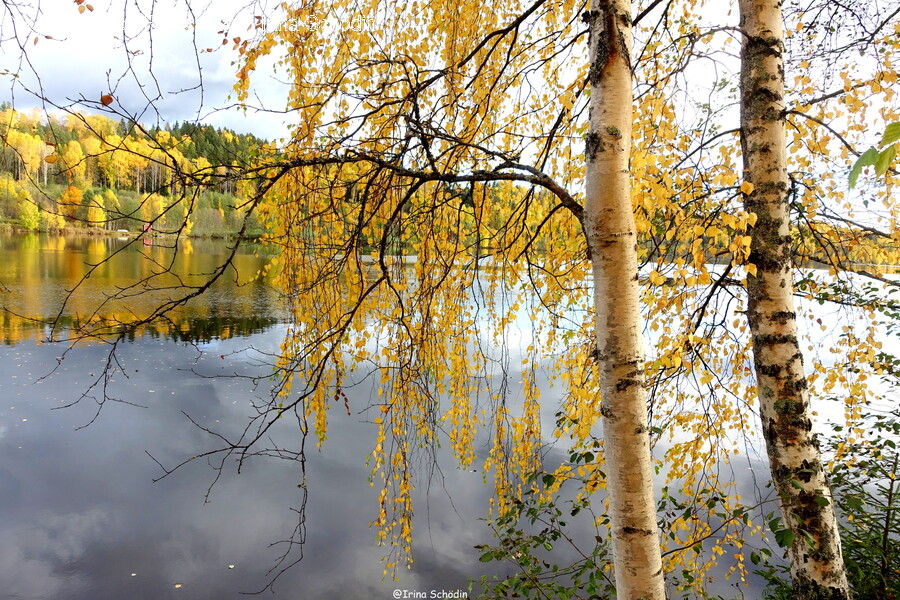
(81, 515)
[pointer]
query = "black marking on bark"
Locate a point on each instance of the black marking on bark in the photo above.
(771, 339)
(783, 316)
(765, 261)
(789, 406)
(763, 104)
(806, 471)
(637, 530)
(803, 472)
(624, 384)
(795, 385)
(634, 379)
(769, 370)
(758, 47)
(593, 144)
(770, 252)
(757, 98)
(606, 33)
(804, 588)
(770, 433)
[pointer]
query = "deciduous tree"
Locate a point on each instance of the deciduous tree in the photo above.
(70, 202)
(817, 567)
(613, 242)
(29, 213)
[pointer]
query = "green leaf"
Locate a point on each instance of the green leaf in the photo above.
(486, 557)
(785, 537)
(885, 158)
(866, 159)
(891, 135)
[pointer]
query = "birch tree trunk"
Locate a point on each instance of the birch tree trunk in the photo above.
(817, 567)
(612, 238)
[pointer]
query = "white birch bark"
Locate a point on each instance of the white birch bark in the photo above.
(612, 238)
(817, 568)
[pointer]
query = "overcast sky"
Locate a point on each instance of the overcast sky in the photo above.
(86, 57)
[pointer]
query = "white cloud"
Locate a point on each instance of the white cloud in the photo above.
(150, 55)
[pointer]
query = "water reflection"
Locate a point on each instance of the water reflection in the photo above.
(38, 273)
(82, 516)
(82, 513)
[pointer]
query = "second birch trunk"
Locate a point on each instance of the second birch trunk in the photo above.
(817, 567)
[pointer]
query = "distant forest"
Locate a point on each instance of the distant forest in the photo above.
(87, 171)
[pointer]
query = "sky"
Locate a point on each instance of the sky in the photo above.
(155, 75)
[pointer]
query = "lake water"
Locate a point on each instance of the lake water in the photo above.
(82, 517)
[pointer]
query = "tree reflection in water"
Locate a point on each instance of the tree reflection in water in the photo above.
(83, 517)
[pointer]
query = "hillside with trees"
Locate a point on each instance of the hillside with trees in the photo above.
(88, 171)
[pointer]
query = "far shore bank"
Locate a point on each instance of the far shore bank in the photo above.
(117, 233)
